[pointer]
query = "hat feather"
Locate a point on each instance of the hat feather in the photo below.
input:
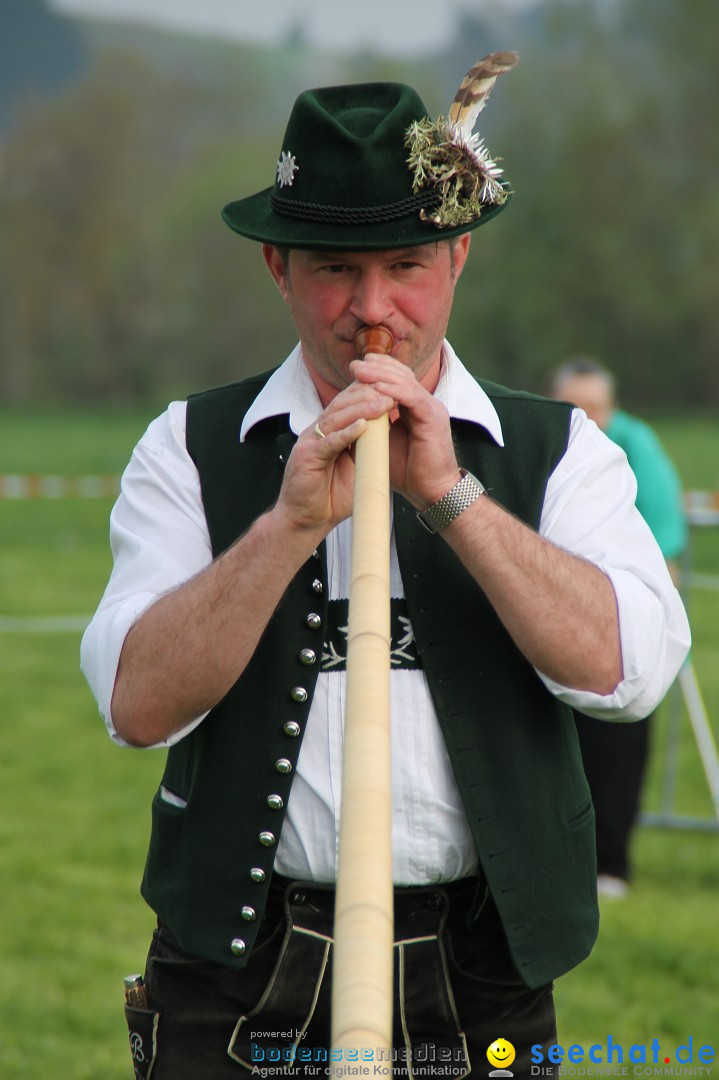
(476, 87)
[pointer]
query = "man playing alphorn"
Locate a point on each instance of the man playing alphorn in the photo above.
(523, 583)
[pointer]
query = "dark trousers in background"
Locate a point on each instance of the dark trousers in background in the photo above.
(615, 758)
(456, 992)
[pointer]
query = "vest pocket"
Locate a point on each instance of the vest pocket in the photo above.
(176, 780)
(172, 798)
(581, 816)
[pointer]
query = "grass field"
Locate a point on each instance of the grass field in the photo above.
(74, 811)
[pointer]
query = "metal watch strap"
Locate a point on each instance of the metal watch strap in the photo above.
(439, 515)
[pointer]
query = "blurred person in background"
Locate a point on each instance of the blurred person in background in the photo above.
(615, 755)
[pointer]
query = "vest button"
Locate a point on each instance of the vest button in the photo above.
(238, 947)
(292, 729)
(283, 765)
(317, 586)
(299, 694)
(268, 839)
(307, 656)
(257, 875)
(248, 913)
(315, 554)
(275, 802)
(313, 620)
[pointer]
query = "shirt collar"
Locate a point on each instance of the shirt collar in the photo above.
(290, 392)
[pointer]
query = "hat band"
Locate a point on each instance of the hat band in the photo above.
(353, 215)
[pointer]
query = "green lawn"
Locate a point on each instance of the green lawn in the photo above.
(69, 441)
(74, 810)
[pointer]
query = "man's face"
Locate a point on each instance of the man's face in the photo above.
(332, 295)
(591, 393)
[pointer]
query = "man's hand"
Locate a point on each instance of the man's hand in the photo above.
(317, 491)
(423, 464)
(318, 486)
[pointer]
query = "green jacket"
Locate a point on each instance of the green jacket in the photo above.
(512, 745)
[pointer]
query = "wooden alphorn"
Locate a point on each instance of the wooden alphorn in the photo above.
(364, 904)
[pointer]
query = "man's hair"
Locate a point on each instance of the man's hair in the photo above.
(578, 366)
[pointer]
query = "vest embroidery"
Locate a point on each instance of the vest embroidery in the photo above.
(404, 654)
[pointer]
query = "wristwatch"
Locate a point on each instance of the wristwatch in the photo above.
(439, 515)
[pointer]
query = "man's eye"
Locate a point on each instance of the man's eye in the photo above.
(334, 268)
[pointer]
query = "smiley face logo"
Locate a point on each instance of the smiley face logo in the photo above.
(501, 1054)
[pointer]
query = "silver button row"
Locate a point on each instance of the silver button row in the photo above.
(282, 765)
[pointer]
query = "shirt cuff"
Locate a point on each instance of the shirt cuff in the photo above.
(104, 639)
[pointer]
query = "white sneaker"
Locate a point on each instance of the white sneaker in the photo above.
(613, 887)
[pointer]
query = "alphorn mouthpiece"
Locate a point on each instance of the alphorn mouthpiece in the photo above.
(373, 339)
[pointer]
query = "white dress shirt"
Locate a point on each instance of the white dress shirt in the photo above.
(159, 539)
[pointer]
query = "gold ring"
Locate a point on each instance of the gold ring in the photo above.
(319, 431)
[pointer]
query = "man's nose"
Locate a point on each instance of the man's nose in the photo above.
(371, 303)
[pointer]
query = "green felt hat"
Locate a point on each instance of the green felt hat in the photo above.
(349, 176)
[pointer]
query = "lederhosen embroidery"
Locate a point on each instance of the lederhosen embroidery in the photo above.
(424, 998)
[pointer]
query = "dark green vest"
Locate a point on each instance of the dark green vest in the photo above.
(513, 747)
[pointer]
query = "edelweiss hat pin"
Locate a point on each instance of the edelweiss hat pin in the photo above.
(363, 167)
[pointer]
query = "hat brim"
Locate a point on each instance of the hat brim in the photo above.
(256, 218)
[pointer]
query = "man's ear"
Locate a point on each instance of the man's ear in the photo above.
(277, 267)
(461, 251)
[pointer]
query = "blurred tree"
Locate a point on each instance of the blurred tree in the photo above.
(78, 187)
(40, 52)
(117, 277)
(225, 316)
(608, 242)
